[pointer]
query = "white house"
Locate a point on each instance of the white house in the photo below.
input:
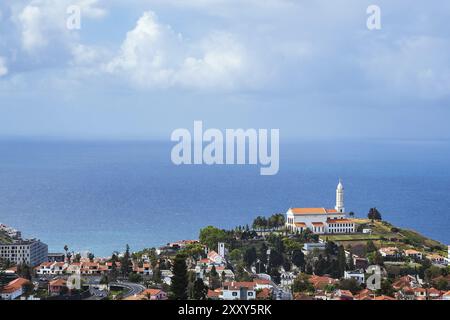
(54, 268)
(413, 254)
(215, 258)
(358, 275)
(14, 289)
(238, 291)
(321, 220)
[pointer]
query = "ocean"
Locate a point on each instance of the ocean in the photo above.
(98, 196)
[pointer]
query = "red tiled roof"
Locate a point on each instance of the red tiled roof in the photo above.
(300, 224)
(383, 298)
(15, 285)
(214, 294)
(317, 224)
(58, 283)
(152, 292)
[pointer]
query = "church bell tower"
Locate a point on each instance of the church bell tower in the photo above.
(340, 198)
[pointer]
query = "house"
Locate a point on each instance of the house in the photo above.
(310, 247)
(390, 252)
(264, 294)
(154, 294)
(56, 257)
(287, 279)
(385, 298)
(407, 293)
(343, 295)
(414, 254)
(364, 294)
(437, 259)
(238, 291)
(57, 287)
(53, 268)
(433, 293)
(406, 281)
(144, 270)
(44, 268)
(420, 292)
(321, 220)
(360, 263)
(14, 289)
(215, 259)
(446, 296)
(166, 276)
(321, 282)
(358, 275)
(214, 294)
(262, 284)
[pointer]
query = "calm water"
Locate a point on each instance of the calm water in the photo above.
(98, 196)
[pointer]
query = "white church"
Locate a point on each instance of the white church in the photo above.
(321, 220)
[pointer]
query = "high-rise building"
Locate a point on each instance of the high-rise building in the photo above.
(32, 252)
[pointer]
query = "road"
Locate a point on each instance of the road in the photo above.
(133, 288)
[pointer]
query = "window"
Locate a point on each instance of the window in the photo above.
(250, 294)
(234, 294)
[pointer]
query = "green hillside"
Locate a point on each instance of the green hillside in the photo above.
(4, 238)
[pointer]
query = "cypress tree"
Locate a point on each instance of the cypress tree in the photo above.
(180, 281)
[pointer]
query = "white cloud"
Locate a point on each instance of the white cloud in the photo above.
(416, 65)
(154, 55)
(3, 67)
(43, 21)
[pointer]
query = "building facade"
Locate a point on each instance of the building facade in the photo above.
(31, 252)
(321, 220)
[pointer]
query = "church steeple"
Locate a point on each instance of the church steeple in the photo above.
(340, 197)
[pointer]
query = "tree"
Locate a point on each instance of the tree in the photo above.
(298, 259)
(24, 271)
(156, 274)
(262, 253)
(77, 258)
(442, 284)
(370, 246)
(104, 279)
(179, 282)
(134, 277)
(211, 236)
(302, 284)
(214, 279)
(351, 214)
(250, 256)
(374, 214)
(331, 248)
(276, 259)
(28, 289)
(386, 288)
(125, 262)
(341, 261)
(91, 257)
(351, 264)
(200, 290)
(235, 255)
(349, 284)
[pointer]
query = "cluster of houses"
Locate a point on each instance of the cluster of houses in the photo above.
(395, 254)
(406, 288)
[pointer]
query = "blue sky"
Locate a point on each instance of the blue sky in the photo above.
(140, 69)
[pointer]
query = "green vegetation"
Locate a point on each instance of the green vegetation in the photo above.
(180, 281)
(4, 238)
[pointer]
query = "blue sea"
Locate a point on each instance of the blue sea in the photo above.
(99, 196)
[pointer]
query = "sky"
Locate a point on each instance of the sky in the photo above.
(139, 69)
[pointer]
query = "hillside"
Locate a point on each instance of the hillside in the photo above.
(385, 234)
(4, 238)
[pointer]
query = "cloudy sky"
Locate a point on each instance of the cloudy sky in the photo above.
(142, 68)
